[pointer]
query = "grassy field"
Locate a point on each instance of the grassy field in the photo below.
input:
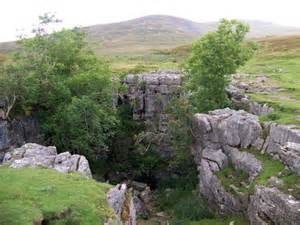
(28, 196)
(279, 60)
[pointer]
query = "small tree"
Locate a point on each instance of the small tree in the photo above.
(214, 57)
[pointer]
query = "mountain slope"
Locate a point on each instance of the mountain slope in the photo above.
(159, 31)
(141, 35)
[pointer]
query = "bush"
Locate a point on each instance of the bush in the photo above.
(71, 90)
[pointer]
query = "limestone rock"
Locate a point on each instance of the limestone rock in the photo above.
(34, 155)
(227, 127)
(284, 141)
(244, 161)
(218, 199)
(121, 201)
(270, 206)
(242, 101)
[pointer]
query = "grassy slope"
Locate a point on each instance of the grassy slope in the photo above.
(28, 195)
(279, 59)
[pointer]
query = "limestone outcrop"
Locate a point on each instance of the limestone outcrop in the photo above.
(283, 142)
(243, 101)
(228, 138)
(34, 155)
(270, 206)
(149, 95)
(121, 201)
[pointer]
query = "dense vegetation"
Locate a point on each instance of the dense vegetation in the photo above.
(70, 90)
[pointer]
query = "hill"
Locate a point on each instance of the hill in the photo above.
(142, 35)
(160, 32)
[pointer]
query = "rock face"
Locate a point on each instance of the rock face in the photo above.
(18, 132)
(284, 142)
(149, 95)
(270, 206)
(120, 199)
(34, 155)
(220, 138)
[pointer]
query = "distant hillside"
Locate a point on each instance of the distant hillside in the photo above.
(139, 36)
(159, 31)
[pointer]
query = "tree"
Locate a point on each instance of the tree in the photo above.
(57, 77)
(214, 57)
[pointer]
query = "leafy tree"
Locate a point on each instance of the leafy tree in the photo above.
(214, 57)
(57, 77)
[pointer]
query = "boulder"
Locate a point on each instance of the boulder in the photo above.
(34, 155)
(269, 206)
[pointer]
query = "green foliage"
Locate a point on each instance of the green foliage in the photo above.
(28, 195)
(82, 126)
(214, 57)
(183, 205)
(57, 77)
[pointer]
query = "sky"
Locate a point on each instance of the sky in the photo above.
(19, 16)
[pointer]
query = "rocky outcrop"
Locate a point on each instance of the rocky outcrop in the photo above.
(121, 201)
(269, 206)
(34, 155)
(218, 135)
(220, 141)
(283, 142)
(18, 132)
(149, 95)
(243, 101)
(142, 198)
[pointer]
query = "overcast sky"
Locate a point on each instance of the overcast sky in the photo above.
(18, 15)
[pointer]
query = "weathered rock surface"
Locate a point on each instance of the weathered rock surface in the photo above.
(284, 142)
(142, 198)
(268, 206)
(149, 95)
(120, 199)
(34, 155)
(242, 101)
(218, 135)
(220, 139)
(18, 132)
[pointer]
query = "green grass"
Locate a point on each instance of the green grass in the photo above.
(279, 59)
(271, 168)
(230, 175)
(28, 195)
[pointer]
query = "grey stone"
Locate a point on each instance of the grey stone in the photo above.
(270, 206)
(244, 161)
(34, 155)
(284, 142)
(120, 200)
